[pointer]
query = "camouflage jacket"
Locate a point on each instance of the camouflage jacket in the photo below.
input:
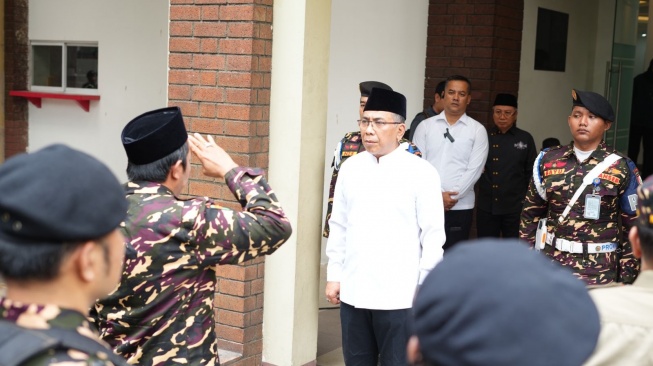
(34, 316)
(561, 174)
(162, 311)
(349, 146)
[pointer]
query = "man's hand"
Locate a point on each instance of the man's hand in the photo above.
(447, 201)
(215, 161)
(333, 292)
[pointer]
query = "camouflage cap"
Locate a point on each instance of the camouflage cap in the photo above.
(496, 302)
(366, 87)
(645, 203)
(594, 103)
(154, 135)
(57, 195)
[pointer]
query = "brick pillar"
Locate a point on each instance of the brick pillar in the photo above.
(16, 70)
(479, 40)
(220, 57)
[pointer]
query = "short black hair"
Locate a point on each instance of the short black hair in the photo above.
(550, 142)
(157, 171)
(439, 89)
(460, 78)
(33, 261)
(646, 240)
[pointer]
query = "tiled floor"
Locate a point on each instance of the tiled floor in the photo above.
(329, 346)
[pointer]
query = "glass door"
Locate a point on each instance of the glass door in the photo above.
(629, 44)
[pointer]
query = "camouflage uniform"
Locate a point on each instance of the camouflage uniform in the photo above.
(162, 312)
(562, 174)
(34, 316)
(349, 146)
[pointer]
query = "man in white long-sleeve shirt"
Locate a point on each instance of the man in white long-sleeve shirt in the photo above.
(387, 232)
(457, 146)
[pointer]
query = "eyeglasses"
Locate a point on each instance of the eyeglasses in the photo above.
(499, 113)
(363, 123)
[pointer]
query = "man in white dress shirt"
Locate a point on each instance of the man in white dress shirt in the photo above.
(457, 146)
(387, 232)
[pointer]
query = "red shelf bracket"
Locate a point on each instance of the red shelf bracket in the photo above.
(36, 97)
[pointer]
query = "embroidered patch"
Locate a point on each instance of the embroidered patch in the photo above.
(555, 164)
(520, 145)
(610, 178)
(553, 171)
(349, 153)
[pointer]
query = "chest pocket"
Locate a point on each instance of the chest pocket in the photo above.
(608, 189)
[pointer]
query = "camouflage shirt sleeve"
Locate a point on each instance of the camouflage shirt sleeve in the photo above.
(332, 188)
(229, 237)
(534, 209)
(628, 264)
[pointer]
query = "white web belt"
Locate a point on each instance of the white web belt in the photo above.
(569, 246)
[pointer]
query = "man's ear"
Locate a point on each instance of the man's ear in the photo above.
(176, 171)
(633, 237)
(607, 125)
(400, 131)
(86, 260)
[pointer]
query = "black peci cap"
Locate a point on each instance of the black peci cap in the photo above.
(154, 135)
(387, 101)
(58, 195)
(505, 99)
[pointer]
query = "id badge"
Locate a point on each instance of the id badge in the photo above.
(592, 206)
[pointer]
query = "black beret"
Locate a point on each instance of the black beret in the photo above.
(387, 101)
(505, 99)
(496, 302)
(58, 195)
(645, 203)
(367, 86)
(594, 103)
(154, 135)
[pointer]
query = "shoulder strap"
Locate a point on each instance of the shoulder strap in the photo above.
(598, 169)
(19, 344)
(537, 177)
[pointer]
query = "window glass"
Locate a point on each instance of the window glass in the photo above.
(47, 66)
(81, 66)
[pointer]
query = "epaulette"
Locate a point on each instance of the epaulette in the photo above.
(349, 136)
(552, 148)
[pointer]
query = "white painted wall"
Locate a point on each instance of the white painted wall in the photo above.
(132, 72)
(382, 40)
(545, 96)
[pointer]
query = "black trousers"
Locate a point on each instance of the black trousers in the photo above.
(497, 226)
(457, 224)
(641, 134)
(374, 337)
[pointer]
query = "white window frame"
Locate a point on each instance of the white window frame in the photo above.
(64, 73)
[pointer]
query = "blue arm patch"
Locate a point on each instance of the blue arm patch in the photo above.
(628, 200)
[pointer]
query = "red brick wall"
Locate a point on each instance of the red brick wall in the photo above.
(16, 68)
(220, 58)
(479, 39)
